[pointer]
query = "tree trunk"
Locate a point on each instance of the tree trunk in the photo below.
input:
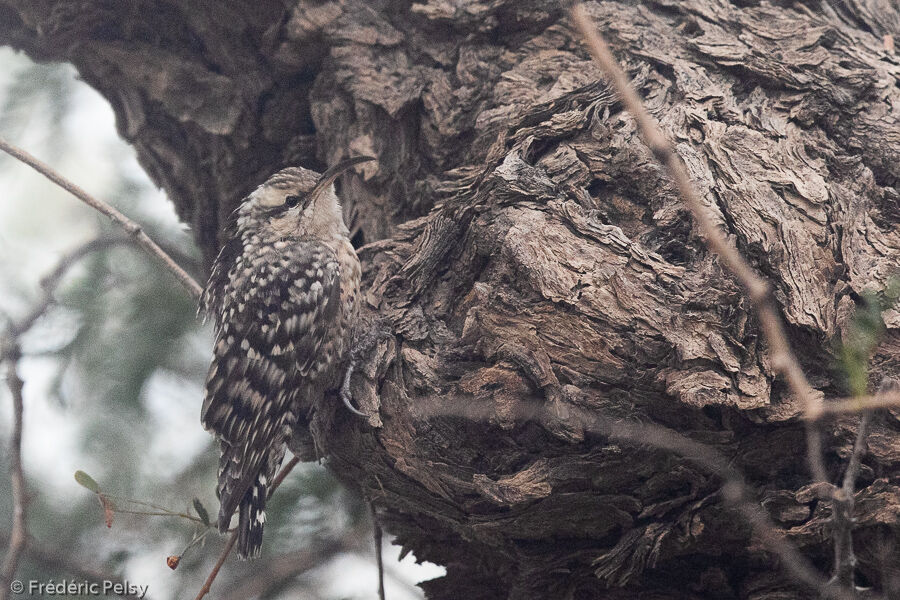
(530, 257)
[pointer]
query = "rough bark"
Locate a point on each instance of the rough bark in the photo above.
(524, 248)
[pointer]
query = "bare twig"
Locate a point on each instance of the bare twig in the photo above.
(844, 500)
(215, 570)
(860, 404)
(734, 489)
(51, 281)
(859, 449)
(758, 289)
(19, 535)
(285, 470)
(10, 352)
(270, 573)
(132, 228)
(393, 573)
(379, 559)
(842, 505)
(9, 349)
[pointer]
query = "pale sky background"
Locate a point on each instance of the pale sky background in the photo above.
(39, 223)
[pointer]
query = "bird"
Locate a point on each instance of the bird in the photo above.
(284, 293)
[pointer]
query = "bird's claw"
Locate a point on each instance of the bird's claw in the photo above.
(346, 396)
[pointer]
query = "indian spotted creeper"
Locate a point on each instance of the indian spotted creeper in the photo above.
(284, 293)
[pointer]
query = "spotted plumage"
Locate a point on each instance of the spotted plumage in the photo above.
(284, 292)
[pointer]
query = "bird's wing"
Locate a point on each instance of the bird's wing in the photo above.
(212, 299)
(314, 293)
(274, 320)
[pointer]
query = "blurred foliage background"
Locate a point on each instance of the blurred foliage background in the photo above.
(113, 382)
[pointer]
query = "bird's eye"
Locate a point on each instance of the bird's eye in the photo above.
(292, 201)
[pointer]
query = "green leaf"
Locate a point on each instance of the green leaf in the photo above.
(201, 511)
(860, 339)
(86, 481)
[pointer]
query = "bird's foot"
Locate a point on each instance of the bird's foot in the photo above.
(346, 396)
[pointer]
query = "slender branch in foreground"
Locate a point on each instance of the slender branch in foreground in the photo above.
(735, 490)
(51, 281)
(19, 535)
(737, 493)
(215, 571)
(271, 573)
(285, 470)
(132, 228)
(758, 289)
(843, 504)
(890, 399)
(844, 501)
(10, 352)
(379, 559)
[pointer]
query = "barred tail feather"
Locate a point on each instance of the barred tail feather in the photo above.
(242, 491)
(251, 518)
(232, 486)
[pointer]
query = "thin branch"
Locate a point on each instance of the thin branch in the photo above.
(859, 449)
(285, 470)
(156, 514)
(844, 501)
(19, 535)
(842, 505)
(215, 570)
(735, 490)
(391, 572)
(130, 227)
(860, 404)
(394, 574)
(10, 352)
(51, 281)
(758, 290)
(273, 572)
(379, 559)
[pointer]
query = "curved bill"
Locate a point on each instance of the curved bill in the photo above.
(334, 172)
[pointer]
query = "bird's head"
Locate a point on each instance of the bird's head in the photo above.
(296, 203)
